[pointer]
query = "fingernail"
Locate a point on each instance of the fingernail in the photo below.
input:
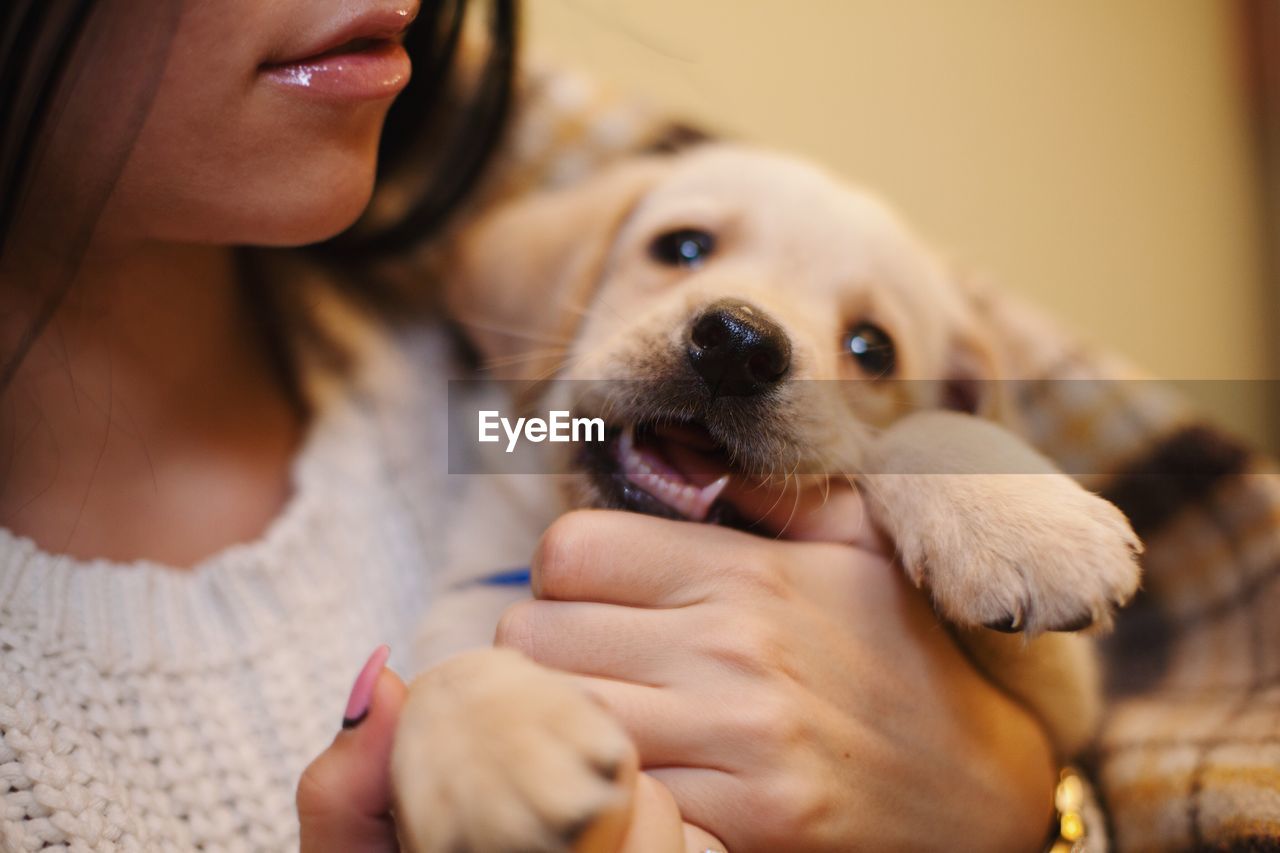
(362, 691)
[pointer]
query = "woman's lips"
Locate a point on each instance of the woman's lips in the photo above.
(360, 58)
(366, 70)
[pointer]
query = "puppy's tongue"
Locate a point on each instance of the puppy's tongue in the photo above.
(677, 474)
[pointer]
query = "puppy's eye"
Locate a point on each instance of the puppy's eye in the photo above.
(684, 247)
(872, 349)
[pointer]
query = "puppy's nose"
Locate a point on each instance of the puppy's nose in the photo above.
(737, 350)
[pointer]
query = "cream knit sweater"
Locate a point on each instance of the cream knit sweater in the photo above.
(149, 708)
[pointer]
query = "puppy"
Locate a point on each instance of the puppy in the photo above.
(733, 313)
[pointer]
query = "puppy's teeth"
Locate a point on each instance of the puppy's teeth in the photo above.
(633, 464)
(689, 502)
(686, 499)
(706, 496)
(627, 444)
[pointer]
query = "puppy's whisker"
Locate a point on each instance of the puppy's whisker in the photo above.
(570, 361)
(586, 308)
(550, 371)
(514, 331)
(795, 505)
(521, 358)
(527, 355)
(600, 300)
(781, 495)
(865, 520)
(579, 310)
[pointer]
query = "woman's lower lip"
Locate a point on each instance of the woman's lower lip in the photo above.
(381, 71)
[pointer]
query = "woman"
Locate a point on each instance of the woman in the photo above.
(216, 498)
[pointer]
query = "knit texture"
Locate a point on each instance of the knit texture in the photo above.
(144, 707)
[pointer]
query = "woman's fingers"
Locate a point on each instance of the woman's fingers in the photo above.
(344, 796)
(656, 825)
(592, 639)
(667, 728)
(807, 508)
(641, 561)
(655, 821)
(707, 797)
(698, 840)
(636, 560)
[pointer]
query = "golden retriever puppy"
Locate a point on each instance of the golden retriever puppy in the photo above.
(734, 313)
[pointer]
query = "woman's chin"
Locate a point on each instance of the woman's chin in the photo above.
(272, 214)
(312, 222)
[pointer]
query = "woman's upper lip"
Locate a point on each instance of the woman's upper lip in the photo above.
(387, 21)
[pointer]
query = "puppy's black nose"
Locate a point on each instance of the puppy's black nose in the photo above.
(737, 350)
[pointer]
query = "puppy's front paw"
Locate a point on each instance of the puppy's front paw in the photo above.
(1017, 552)
(1001, 538)
(495, 754)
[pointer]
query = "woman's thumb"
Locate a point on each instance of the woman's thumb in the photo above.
(344, 796)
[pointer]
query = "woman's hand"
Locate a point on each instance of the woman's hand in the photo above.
(791, 695)
(344, 795)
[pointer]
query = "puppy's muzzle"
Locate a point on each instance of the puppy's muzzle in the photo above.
(738, 350)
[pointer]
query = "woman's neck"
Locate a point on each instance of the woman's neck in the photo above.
(147, 419)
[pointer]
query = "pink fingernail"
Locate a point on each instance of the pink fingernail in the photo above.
(362, 690)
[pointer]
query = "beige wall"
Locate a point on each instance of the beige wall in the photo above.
(1092, 154)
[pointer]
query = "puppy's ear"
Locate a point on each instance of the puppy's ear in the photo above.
(522, 276)
(973, 377)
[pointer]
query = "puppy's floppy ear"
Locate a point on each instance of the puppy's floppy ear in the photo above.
(973, 377)
(521, 276)
(978, 377)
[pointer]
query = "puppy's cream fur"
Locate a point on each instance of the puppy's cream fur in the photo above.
(984, 523)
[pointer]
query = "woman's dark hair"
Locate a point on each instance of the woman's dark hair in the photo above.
(432, 122)
(471, 132)
(38, 38)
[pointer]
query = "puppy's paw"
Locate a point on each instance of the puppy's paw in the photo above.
(1016, 552)
(495, 754)
(1000, 537)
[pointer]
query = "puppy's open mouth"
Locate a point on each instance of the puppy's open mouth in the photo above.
(674, 470)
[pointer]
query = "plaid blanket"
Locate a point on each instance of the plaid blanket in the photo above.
(1189, 755)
